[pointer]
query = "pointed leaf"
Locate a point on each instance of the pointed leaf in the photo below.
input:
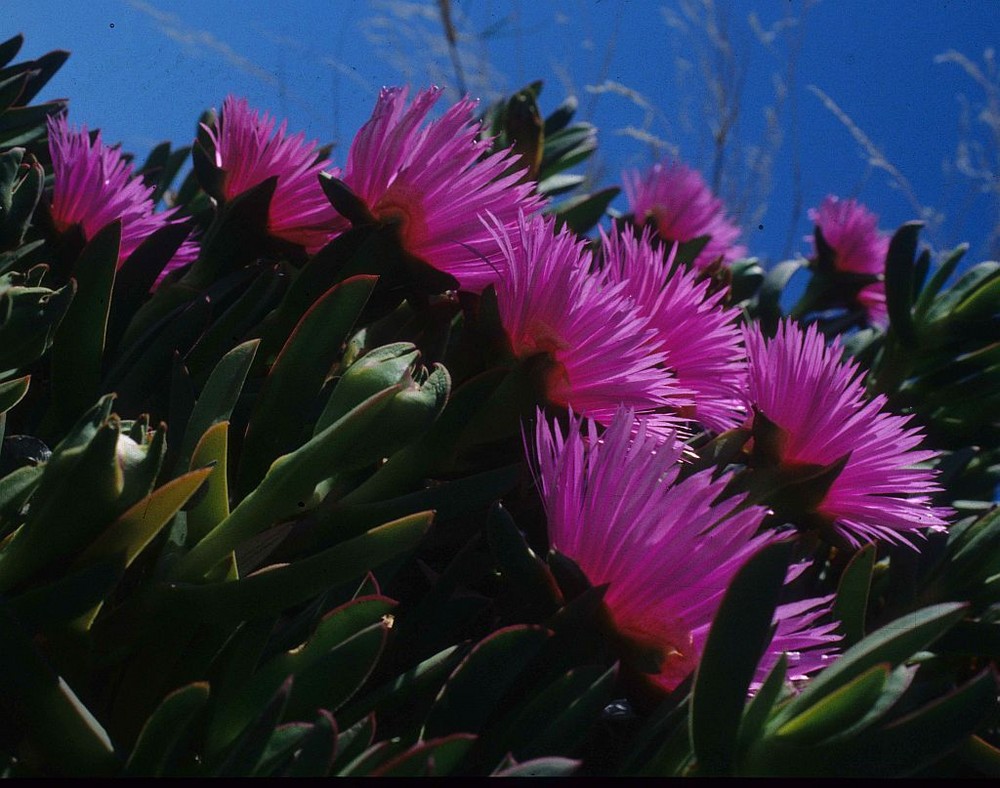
(297, 376)
(212, 506)
(851, 605)
(430, 758)
(50, 715)
(740, 632)
(245, 754)
(79, 341)
(582, 213)
(12, 392)
(314, 757)
(273, 589)
(166, 731)
(892, 644)
(541, 767)
(837, 710)
(899, 280)
(218, 397)
(483, 677)
(137, 527)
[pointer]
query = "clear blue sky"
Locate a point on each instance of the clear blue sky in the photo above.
(143, 70)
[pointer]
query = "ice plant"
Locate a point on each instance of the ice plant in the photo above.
(851, 231)
(249, 150)
(695, 331)
(667, 550)
(818, 404)
(681, 207)
(434, 181)
(598, 349)
(94, 186)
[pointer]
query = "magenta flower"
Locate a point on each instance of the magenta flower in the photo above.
(93, 186)
(436, 181)
(600, 349)
(819, 404)
(249, 151)
(666, 549)
(682, 208)
(698, 335)
(851, 230)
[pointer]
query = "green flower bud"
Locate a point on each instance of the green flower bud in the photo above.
(376, 370)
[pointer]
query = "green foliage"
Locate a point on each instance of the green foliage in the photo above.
(286, 527)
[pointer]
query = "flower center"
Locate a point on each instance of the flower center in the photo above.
(402, 207)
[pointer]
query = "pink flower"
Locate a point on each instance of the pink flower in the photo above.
(819, 403)
(851, 230)
(682, 208)
(694, 330)
(600, 350)
(93, 186)
(436, 180)
(249, 151)
(666, 549)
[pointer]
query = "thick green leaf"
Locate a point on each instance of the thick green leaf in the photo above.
(429, 758)
(297, 376)
(137, 275)
(79, 341)
(239, 320)
(570, 717)
(337, 676)
(483, 677)
(41, 70)
(77, 497)
(12, 391)
(10, 90)
(583, 212)
(899, 281)
(761, 705)
(837, 710)
(273, 589)
(892, 644)
(234, 238)
(555, 185)
(740, 632)
(352, 742)
(15, 489)
(314, 757)
(212, 507)
(376, 370)
(218, 397)
(167, 731)
(280, 748)
(980, 755)
(376, 755)
(139, 525)
(31, 317)
(937, 280)
(291, 480)
(851, 605)
(50, 715)
(138, 374)
(412, 689)
(561, 116)
(527, 576)
(10, 48)
(567, 147)
(540, 767)
(245, 754)
(69, 597)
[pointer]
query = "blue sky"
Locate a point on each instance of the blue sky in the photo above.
(143, 70)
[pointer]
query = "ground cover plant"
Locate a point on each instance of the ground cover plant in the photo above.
(420, 462)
